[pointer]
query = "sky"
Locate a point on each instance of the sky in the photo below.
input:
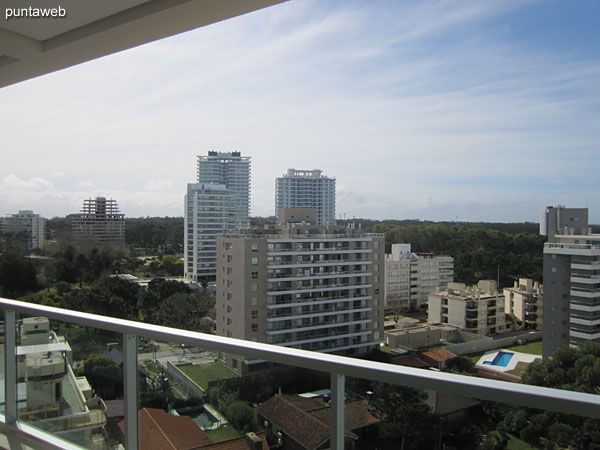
(432, 110)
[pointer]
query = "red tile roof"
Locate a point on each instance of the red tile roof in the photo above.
(242, 443)
(160, 431)
(439, 354)
(307, 420)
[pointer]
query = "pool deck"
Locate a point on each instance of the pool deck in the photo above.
(220, 419)
(512, 364)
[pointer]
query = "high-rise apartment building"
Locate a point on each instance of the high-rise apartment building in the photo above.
(571, 279)
(218, 203)
(300, 285)
(411, 277)
(99, 225)
(478, 309)
(524, 304)
(231, 170)
(307, 189)
(209, 211)
(33, 225)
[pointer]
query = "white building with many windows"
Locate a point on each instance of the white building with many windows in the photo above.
(411, 277)
(232, 170)
(209, 212)
(25, 222)
(307, 189)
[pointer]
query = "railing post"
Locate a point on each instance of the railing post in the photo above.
(130, 391)
(10, 366)
(337, 410)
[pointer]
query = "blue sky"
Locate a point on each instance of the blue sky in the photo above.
(483, 111)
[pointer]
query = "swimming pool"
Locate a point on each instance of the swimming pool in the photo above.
(501, 359)
(201, 416)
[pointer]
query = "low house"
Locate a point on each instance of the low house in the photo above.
(297, 422)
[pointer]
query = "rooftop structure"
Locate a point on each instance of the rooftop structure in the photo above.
(411, 277)
(307, 189)
(478, 309)
(32, 225)
(571, 308)
(49, 394)
(99, 225)
(301, 285)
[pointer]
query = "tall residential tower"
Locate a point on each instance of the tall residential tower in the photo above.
(571, 279)
(218, 203)
(232, 170)
(307, 189)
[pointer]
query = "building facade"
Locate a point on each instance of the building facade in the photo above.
(524, 304)
(209, 212)
(477, 309)
(33, 225)
(307, 189)
(411, 277)
(300, 285)
(231, 170)
(100, 225)
(571, 279)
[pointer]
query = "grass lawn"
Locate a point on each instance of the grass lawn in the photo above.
(514, 443)
(534, 348)
(518, 371)
(203, 373)
(223, 433)
(386, 350)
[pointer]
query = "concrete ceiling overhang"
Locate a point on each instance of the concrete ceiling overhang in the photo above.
(90, 29)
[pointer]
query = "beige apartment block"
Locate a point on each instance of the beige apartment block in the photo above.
(300, 285)
(524, 302)
(477, 309)
(411, 277)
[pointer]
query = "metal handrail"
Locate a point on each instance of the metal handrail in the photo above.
(337, 366)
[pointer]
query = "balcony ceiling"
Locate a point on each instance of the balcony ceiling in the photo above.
(30, 47)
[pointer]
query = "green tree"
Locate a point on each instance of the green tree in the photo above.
(103, 374)
(242, 416)
(405, 416)
(17, 275)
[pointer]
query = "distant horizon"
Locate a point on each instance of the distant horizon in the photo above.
(485, 111)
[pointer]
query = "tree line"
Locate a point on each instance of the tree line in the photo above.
(479, 250)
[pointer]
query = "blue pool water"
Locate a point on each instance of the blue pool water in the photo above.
(501, 359)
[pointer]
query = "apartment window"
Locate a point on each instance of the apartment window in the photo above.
(376, 335)
(229, 296)
(228, 258)
(228, 321)
(254, 260)
(376, 268)
(254, 287)
(229, 270)
(376, 279)
(254, 247)
(228, 245)
(254, 314)
(229, 283)
(376, 244)
(254, 301)
(228, 308)
(254, 274)
(376, 324)
(376, 301)
(254, 327)
(376, 290)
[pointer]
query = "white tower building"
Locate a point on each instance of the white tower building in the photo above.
(307, 189)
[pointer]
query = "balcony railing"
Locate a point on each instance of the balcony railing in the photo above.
(338, 368)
